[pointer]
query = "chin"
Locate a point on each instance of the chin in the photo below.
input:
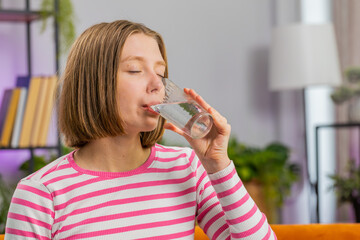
(150, 127)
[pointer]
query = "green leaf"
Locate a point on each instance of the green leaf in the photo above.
(65, 18)
(353, 74)
(270, 166)
(6, 192)
(245, 173)
(342, 94)
(347, 186)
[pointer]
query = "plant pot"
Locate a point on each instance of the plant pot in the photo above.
(356, 206)
(255, 189)
(354, 110)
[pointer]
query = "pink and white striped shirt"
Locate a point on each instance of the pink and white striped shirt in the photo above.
(159, 200)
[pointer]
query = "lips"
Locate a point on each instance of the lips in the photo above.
(148, 108)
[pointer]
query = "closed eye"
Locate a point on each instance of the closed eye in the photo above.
(134, 71)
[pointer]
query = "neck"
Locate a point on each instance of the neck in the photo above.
(112, 154)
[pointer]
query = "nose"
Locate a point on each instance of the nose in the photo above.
(155, 84)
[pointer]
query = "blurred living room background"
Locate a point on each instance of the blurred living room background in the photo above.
(292, 144)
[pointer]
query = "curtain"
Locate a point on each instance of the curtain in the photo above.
(346, 20)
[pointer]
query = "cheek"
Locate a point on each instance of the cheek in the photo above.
(163, 92)
(128, 95)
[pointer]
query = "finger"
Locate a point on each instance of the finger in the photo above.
(173, 128)
(220, 122)
(197, 98)
(206, 106)
(177, 130)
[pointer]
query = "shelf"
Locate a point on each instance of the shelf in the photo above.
(19, 16)
(27, 148)
(27, 16)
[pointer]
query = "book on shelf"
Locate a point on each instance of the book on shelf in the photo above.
(30, 109)
(40, 103)
(10, 118)
(19, 118)
(4, 107)
(26, 112)
(47, 112)
(23, 81)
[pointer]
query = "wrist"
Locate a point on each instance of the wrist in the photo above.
(213, 166)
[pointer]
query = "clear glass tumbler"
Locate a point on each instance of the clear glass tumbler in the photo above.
(183, 112)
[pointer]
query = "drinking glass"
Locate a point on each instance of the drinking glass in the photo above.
(183, 112)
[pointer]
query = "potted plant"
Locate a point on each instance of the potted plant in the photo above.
(6, 192)
(350, 92)
(269, 170)
(65, 18)
(347, 187)
(42, 160)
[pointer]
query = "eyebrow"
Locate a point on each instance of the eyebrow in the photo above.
(141, 59)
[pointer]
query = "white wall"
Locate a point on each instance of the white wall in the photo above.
(320, 110)
(292, 126)
(218, 48)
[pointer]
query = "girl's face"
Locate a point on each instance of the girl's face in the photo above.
(140, 83)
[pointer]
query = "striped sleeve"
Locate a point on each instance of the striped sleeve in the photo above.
(225, 210)
(31, 212)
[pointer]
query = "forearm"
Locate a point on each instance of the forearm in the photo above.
(240, 213)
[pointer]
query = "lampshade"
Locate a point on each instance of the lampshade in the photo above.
(302, 55)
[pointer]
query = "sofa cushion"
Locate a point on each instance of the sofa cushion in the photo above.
(337, 231)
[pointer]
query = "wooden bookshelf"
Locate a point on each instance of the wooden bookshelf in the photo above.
(27, 16)
(19, 16)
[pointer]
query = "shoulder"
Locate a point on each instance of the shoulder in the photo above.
(172, 150)
(50, 170)
(169, 153)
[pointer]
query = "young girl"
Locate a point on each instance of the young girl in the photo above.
(118, 183)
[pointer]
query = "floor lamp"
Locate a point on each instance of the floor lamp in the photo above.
(303, 55)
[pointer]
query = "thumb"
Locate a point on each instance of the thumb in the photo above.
(172, 127)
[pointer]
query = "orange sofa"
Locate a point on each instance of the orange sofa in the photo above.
(338, 231)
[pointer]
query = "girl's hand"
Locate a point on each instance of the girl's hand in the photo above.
(211, 149)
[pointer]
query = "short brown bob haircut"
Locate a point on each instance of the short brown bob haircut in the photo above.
(87, 105)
